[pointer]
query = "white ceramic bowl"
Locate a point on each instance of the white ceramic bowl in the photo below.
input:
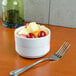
(32, 47)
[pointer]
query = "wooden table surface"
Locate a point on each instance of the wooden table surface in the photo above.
(10, 60)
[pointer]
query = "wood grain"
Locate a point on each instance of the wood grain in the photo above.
(10, 60)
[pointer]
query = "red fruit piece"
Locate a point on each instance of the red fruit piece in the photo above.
(41, 34)
(30, 35)
(25, 36)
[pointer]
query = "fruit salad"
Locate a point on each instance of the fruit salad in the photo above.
(33, 30)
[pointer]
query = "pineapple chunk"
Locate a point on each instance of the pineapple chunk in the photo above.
(23, 31)
(33, 26)
(42, 27)
(29, 29)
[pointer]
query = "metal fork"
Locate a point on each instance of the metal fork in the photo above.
(56, 56)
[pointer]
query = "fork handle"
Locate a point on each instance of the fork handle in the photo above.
(19, 71)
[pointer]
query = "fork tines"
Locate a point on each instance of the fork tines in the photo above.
(63, 49)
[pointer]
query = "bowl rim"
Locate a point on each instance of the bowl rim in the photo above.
(17, 29)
